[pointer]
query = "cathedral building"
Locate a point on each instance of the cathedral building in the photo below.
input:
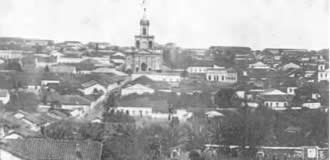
(144, 57)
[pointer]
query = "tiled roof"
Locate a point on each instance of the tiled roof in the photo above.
(37, 148)
(280, 98)
(74, 99)
(201, 64)
(69, 99)
(62, 69)
(46, 59)
(143, 80)
(89, 83)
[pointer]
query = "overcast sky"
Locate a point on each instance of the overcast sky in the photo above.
(188, 23)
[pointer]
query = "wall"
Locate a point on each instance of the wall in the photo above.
(136, 111)
(5, 99)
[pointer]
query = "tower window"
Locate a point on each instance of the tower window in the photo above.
(144, 31)
(150, 44)
(137, 44)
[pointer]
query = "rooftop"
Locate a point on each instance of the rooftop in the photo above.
(37, 148)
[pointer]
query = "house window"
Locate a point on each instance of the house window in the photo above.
(209, 77)
(222, 78)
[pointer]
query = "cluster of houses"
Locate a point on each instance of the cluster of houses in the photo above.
(69, 79)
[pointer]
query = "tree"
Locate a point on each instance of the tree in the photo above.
(110, 102)
(246, 128)
(94, 131)
(184, 74)
(224, 97)
(46, 69)
(14, 65)
(60, 130)
(194, 155)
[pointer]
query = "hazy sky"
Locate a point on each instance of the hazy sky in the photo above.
(188, 23)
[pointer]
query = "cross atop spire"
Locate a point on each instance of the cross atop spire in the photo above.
(144, 9)
(144, 21)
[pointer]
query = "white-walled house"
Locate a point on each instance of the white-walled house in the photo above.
(70, 59)
(291, 90)
(199, 68)
(259, 65)
(221, 75)
(136, 111)
(170, 77)
(90, 87)
(277, 102)
(42, 62)
(74, 102)
(323, 75)
(137, 89)
(4, 96)
(312, 104)
(290, 66)
(181, 114)
(11, 54)
(275, 99)
(46, 82)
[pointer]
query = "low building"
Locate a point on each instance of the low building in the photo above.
(275, 99)
(221, 75)
(100, 60)
(74, 102)
(137, 89)
(4, 96)
(311, 103)
(70, 58)
(259, 65)
(290, 66)
(11, 54)
(136, 111)
(63, 69)
(199, 67)
(170, 77)
(41, 62)
(277, 102)
(92, 87)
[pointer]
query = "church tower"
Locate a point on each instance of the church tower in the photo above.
(144, 40)
(145, 58)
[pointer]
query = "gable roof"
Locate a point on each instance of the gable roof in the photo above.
(278, 98)
(146, 81)
(38, 148)
(259, 65)
(291, 65)
(68, 99)
(89, 83)
(118, 54)
(63, 68)
(138, 86)
(272, 92)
